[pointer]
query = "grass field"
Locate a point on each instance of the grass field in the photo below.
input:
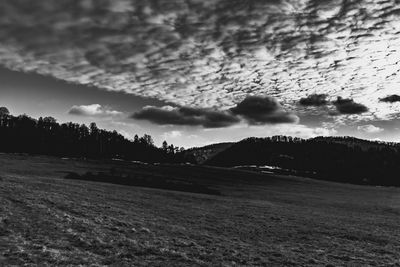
(259, 219)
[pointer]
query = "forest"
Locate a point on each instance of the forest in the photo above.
(341, 159)
(45, 136)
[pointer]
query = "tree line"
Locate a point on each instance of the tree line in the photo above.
(45, 136)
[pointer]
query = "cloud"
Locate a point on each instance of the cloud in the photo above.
(94, 110)
(320, 131)
(314, 100)
(297, 130)
(262, 110)
(370, 129)
(348, 106)
(390, 99)
(255, 110)
(171, 135)
(208, 53)
(168, 115)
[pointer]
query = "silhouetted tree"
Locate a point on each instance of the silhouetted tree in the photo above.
(147, 140)
(4, 111)
(165, 146)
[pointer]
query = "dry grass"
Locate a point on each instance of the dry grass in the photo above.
(259, 220)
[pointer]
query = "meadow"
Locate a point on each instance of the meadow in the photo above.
(255, 220)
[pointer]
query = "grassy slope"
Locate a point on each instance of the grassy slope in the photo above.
(259, 220)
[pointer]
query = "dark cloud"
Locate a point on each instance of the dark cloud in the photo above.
(314, 100)
(390, 99)
(253, 109)
(348, 106)
(262, 110)
(186, 116)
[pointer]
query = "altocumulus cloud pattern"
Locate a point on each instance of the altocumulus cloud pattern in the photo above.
(212, 53)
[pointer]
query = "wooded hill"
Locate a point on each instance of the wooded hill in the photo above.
(342, 159)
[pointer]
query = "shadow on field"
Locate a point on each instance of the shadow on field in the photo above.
(150, 182)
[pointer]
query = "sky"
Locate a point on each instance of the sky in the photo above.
(198, 72)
